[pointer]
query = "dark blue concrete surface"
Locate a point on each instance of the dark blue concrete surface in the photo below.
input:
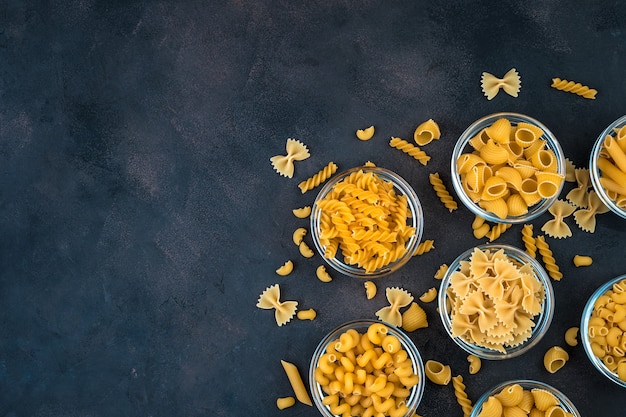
(141, 219)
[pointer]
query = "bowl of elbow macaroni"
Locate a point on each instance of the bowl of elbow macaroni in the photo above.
(603, 329)
(366, 367)
(496, 301)
(507, 168)
(607, 167)
(366, 222)
(524, 397)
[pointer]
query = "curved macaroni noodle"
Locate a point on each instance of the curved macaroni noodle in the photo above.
(285, 269)
(429, 295)
(571, 336)
(298, 235)
(305, 250)
(302, 212)
(441, 272)
(285, 402)
(474, 364)
(581, 260)
(309, 314)
(365, 134)
(322, 274)
(370, 289)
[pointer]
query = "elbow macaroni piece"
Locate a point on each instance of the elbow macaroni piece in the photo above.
(305, 250)
(365, 134)
(370, 289)
(302, 212)
(474, 364)
(571, 336)
(429, 295)
(441, 272)
(322, 274)
(285, 269)
(298, 235)
(309, 314)
(285, 402)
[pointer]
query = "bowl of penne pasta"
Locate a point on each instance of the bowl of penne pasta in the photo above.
(496, 301)
(524, 397)
(607, 167)
(366, 222)
(366, 367)
(507, 168)
(603, 329)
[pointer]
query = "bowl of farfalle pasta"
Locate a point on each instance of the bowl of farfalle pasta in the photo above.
(603, 329)
(524, 397)
(366, 222)
(496, 301)
(366, 368)
(607, 167)
(507, 168)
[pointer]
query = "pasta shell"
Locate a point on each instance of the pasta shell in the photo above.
(525, 168)
(478, 141)
(497, 207)
(426, 132)
(513, 412)
(527, 401)
(467, 161)
(555, 358)
(491, 408)
(534, 147)
(527, 133)
(499, 131)
(495, 187)
(556, 411)
(529, 192)
(545, 160)
(516, 205)
(437, 373)
(515, 151)
(511, 176)
(548, 183)
(414, 318)
(493, 153)
(511, 395)
(543, 399)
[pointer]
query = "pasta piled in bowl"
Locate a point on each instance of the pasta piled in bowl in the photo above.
(603, 329)
(496, 301)
(366, 367)
(507, 168)
(607, 167)
(366, 222)
(524, 397)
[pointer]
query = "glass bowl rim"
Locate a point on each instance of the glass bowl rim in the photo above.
(417, 221)
(541, 325)
(463, 142)
(414, 354)
(594, 171)
(584, 330)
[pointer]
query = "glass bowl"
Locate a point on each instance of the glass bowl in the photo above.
(596, 174)
(328, 344)
(364, 223)
(541, 320)
(527, 384)
(463, 146)
(599, 363)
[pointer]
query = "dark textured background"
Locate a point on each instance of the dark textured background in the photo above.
(141, 218)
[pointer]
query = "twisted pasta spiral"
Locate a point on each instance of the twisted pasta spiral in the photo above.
(425, 246)
(461, 395)
(575, 88)
(529, 240)
(442, 192)
(318, 178)
(410, 149)
(548, 259)
(497, 230)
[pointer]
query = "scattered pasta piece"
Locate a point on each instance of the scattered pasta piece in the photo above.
(442, 192)
(370, 289)
(557, 227)
(496, 231)
(369, 164)
(309, 314)
(410, 149)
(441, 272)
(429, 295)
(548, 258)
(397, 298)
(586, 218)
(479, 227)
(570, 171)
(555, 358)
(437, 372)
(296, 382)
(298, 235)
(296, 151)
(425, 246)
(510, 83)
(270, 299)
(474, 364)
(529, 240)
(302, 212)
(578, 196)
(322, 274)
(582, 260)
(575, 88)
(305, 250)
(324, 174)
(426, 132)
(414, 318)
(365, 134)
(571, 336)
(285, 269)
(285, 402)
(461, 395)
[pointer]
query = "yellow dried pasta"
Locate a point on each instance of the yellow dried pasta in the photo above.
(414, 318)
(426, 132)
(370, 289)
(548, 258)
(365, 134)
(296, 382)
(429, 295)
(437, 372)
(555, 358)
(285, 402)
(296, 151)
(441, 271)
(474, 364)
(425, 246)
(322, 274)
(571, 336)
(510, 83)
(270, 299)
(529, 240)
(582, 260)
(285, 269)
(321, 176)
(442, 192)
(302, 212)
(612, 165)
(397, 298)
(573, 87)
(461, 395)
(410, 149)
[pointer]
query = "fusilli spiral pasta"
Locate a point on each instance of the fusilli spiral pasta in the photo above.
(442, 192)
(548, 259)
(318, 178)
(497, 230)
(575, 88)
(425, 246)
(529, 240)
(461, 395)
(410, 149)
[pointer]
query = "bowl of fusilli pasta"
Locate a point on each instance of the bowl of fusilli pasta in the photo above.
(607, 167)
(524, 397)
(496, 301)
(380, 371)
(366, 222)
(507, 168)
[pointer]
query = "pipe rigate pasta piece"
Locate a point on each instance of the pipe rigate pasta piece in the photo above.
(322, 274)
(425, 246)
(397, 298)
(581, 260)
(429, 295)
(410, 149)
(555, 358)
(575, 88)
(302, 212)
(365, 134)
(296, 151)
(305, 250)
(285, 269)
(548, 258)
(442, 192)
(426, 132)
(511, 395)
(474, 364)
(461, 395)
(270, 299)
(370, 289)
(298, 235)
(571, 336)
(511, 84)
(309, 314)
(296, 382)
(437, 372)
(491, 408)
(557, 227)
(285, 402)
(324, 174)
(529, 240)
(414, 318)
(441, 272)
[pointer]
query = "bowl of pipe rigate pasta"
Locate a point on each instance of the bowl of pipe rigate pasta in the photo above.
(366, 222)
(366, 368)
(603, 329)
(607, 167)
(524, 397)
(496, 301)
(507, 168)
